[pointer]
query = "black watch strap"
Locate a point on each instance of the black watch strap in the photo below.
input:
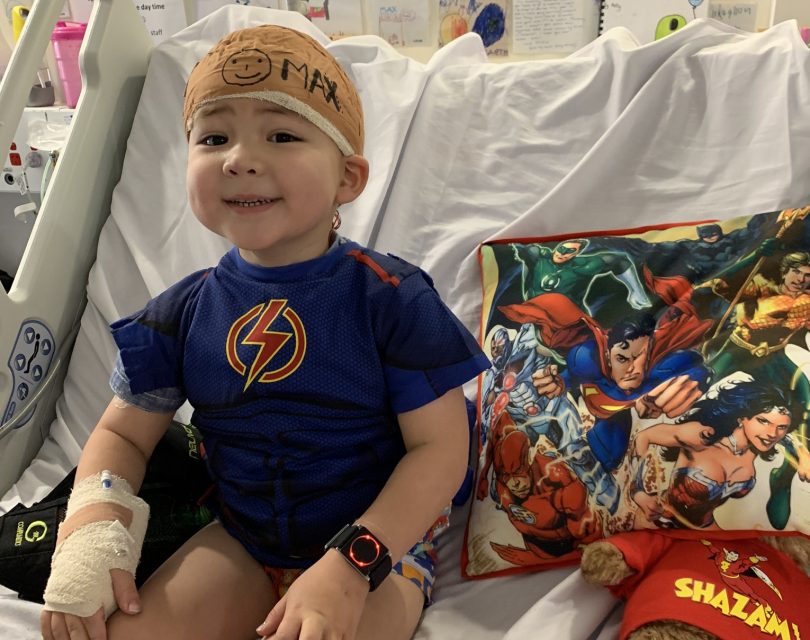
(363, 551)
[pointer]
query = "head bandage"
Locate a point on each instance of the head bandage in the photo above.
(80, 581)
(287, 68)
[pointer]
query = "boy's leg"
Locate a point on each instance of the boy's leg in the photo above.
(210, 588)
(392, 611)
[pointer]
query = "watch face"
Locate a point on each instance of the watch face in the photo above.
(364, 550)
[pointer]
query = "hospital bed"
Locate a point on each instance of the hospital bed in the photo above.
(707, 123)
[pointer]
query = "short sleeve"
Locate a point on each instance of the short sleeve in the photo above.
(426, 350)
(167, 400)
(150, 342)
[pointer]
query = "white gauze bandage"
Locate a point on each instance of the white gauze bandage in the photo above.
(80, 581)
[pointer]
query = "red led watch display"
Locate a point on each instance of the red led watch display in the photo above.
(364, 550)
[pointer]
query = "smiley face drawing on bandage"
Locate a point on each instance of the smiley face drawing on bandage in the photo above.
(249, 66)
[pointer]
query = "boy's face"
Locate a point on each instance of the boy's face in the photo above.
(266, 179)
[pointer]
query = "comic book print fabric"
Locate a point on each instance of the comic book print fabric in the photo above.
(651, 378)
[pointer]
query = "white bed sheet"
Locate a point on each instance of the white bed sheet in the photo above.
(707, 123)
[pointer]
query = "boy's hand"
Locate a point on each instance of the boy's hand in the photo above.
(325, 602)
(56, 625)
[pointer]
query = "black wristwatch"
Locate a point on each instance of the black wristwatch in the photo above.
(364, 552)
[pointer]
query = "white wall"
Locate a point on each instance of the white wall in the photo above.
(80, 8)
(14, 233)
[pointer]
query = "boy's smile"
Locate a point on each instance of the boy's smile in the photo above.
(247, 204)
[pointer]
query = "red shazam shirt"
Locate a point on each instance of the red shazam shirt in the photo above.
(732, 588)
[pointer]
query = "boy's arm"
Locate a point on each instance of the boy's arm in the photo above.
(331, 595)
(121, 443)
(424, 482)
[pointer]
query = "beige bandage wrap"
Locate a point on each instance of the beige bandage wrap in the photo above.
(80, 581)
(287, 68)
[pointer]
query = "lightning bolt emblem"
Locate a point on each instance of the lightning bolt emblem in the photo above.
(269, 341)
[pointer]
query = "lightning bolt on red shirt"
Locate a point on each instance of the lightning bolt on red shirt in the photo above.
(296, 375)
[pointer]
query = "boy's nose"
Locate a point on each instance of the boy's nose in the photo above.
(241, 161)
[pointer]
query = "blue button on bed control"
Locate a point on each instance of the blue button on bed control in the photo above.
(29, 362)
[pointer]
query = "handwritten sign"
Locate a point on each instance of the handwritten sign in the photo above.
(553, 26)
(741, 15)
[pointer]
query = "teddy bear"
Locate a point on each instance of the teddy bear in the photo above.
(704, 587)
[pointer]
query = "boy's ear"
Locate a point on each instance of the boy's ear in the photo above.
(355, 177)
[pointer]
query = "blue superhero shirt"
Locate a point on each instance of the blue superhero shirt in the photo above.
(296, 375)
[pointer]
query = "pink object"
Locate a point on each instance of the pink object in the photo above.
(805, 31)
(67, 40)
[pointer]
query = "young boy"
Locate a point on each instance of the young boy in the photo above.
(325, 379)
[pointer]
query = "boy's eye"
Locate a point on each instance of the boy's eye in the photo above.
(213, 140)
(282, 137)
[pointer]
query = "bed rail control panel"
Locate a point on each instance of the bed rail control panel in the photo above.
(29, 362)
(24, 166)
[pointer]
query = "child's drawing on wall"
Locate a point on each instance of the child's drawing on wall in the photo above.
(487, 19)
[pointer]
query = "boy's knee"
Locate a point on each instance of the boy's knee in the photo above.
(122, 629)
(125, 626)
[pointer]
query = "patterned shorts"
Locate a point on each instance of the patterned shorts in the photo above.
(418, 565)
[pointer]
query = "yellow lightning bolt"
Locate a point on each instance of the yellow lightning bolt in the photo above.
(269, 341)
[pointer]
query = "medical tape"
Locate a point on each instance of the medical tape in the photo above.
(80, 581)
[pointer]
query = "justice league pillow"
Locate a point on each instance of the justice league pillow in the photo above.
(651, 378)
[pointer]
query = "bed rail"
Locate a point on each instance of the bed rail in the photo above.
(40, 314)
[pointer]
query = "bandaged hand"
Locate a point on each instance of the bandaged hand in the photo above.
(80, 583)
